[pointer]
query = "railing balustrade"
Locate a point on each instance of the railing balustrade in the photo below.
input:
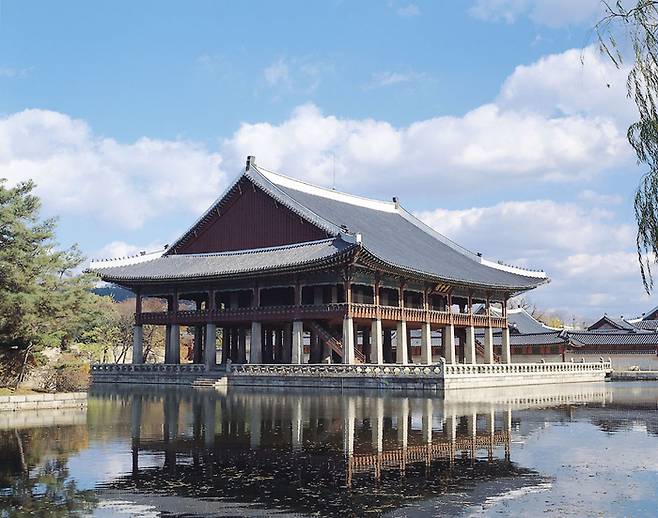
(357, 310)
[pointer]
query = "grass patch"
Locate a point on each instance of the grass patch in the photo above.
(9, 391)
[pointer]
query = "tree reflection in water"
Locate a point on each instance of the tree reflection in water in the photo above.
(34, 474)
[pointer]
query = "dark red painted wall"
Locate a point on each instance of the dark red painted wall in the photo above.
(251, 219)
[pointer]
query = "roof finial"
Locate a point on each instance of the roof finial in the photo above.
(251, 160)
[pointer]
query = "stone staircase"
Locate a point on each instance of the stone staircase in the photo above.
(479, 351)
(334, 343)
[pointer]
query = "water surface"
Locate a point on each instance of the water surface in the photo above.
(142, 451)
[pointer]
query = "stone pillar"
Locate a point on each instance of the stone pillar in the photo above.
(401, 345)
(256, 343)
(348, 341)
(297, 422)
(428, 415)
(349, 414)
(377, 425)
(403, 422)
(138, 345)
(506, 353)
(449, 343)
(174, 344)
(287, 343)
(297, 342)
(210, 351)
(469, 352)
(488, 345)
(376, 342)
(426, 344)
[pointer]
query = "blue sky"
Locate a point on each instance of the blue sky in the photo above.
(480, 115)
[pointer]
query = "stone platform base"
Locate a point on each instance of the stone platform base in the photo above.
(438, 376)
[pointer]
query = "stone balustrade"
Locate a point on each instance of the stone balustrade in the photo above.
(526, 368)
(338, 370)
(190, 368)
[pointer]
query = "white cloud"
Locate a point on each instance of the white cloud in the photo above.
(587, 253)
(598, 198)
(552, 13)
(574, 82)
(295, 75)
(381, 79)
(555, 119)
(80, 173)
(278, 73)
(485, 144)
(408, 11)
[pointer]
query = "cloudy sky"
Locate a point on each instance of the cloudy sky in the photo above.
(495, 121)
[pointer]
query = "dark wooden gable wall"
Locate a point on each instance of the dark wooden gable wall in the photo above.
(249, 219)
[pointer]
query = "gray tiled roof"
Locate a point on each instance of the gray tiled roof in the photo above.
(545, 338)
(647, 325)
(606, 322)
(228, 263)
(397, 238)
(584, 338)
(523, 322)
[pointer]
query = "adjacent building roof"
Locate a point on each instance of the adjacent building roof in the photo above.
(521, 321)
(531, 339)
(228, 263)
(646, 325)
(588, 338)
(612, 324)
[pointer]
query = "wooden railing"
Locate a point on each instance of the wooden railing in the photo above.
(319, 312)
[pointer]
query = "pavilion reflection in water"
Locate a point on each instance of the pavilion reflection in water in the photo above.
(314, 452)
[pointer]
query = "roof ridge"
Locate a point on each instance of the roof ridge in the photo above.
(310, 188)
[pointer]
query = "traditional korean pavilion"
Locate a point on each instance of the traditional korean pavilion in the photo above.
(287, 272)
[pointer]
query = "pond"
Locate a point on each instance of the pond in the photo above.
(580, 449)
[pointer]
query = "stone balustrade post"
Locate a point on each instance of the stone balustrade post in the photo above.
(256, 343)
(449, 344)
(210, 350)
(426, 344)
(376, 342)
(506, 353)
(138, 345)
(401, 345)
(297, 342)
(348, 341)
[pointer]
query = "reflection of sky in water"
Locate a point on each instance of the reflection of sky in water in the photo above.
(597, 456)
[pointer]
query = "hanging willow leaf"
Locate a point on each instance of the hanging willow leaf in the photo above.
(637, 25)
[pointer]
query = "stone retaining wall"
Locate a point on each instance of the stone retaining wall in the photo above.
(361, 376)
(42, 401)
(634, 376)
